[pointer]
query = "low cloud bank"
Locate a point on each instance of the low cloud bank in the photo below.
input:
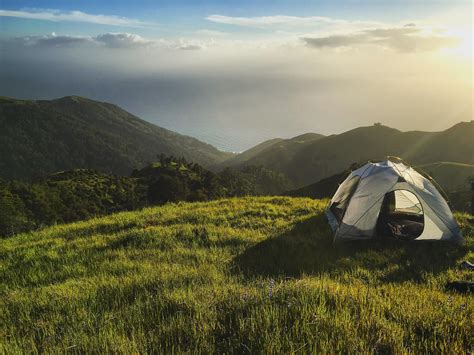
(109, 40)
(408, 38)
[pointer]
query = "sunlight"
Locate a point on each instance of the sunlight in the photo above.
(464, 48)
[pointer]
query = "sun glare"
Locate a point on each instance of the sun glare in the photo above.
(464, 48)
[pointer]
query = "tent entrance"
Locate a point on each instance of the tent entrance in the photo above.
(401, 216)
(341, 199)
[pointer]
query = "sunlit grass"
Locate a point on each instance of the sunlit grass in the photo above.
(231, 276)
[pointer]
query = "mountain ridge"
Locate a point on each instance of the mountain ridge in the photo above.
(287, 147)
(39, 137)
(44, 136)
(332, 154)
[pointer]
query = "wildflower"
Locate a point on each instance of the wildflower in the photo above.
(270, 288)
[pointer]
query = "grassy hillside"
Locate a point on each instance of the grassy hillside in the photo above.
(42, 137)
(272, 154)
(326, 156)
(242, 275)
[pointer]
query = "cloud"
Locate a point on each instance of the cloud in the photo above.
(106, 40)
(189, 47)
(52, 41)
(408, 38)
(288, 21)
(122, 40)
(335, 33)
(47, 41)
(75, 16)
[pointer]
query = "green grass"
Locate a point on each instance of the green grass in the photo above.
(248, 275)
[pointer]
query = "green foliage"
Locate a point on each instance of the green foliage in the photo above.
(65, 197)
(13, 218)
(81, 194)
(256, 275)
(253, 181)
(41, 137)
(173, 180)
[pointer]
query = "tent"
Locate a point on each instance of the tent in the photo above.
(391, 199)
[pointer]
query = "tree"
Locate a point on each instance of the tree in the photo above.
(167, 189)
(13, 217)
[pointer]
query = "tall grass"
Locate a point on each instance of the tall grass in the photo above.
(248, 275)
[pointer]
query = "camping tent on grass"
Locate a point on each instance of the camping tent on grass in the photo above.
(390, 199)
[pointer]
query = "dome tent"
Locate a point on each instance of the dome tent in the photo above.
(390, 199)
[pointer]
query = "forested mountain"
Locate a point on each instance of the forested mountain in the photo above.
(326, 156)
(42, 137)
(38, 138)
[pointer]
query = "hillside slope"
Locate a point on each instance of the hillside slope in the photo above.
(451, 176)
(41, 137)
(272, 153)
(324, 188)
(247, 155)
(256, 275)
(330, 155)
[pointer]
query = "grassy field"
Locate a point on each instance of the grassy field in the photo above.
(248, 275)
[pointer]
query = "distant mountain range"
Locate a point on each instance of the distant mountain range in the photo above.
(42, 137)
(314, 157)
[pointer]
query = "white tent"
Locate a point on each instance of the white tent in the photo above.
(390, 199)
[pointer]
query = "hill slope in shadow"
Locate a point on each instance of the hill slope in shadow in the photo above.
(41, 137)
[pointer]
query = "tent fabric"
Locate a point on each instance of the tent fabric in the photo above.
(407, 202)
(356, 206)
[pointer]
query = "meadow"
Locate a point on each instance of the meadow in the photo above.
(240, 275)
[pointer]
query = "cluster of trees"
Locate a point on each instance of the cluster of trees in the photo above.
(81, 194)
(172, 179)
(64, 197)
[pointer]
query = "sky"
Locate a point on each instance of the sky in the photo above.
(235, 73)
